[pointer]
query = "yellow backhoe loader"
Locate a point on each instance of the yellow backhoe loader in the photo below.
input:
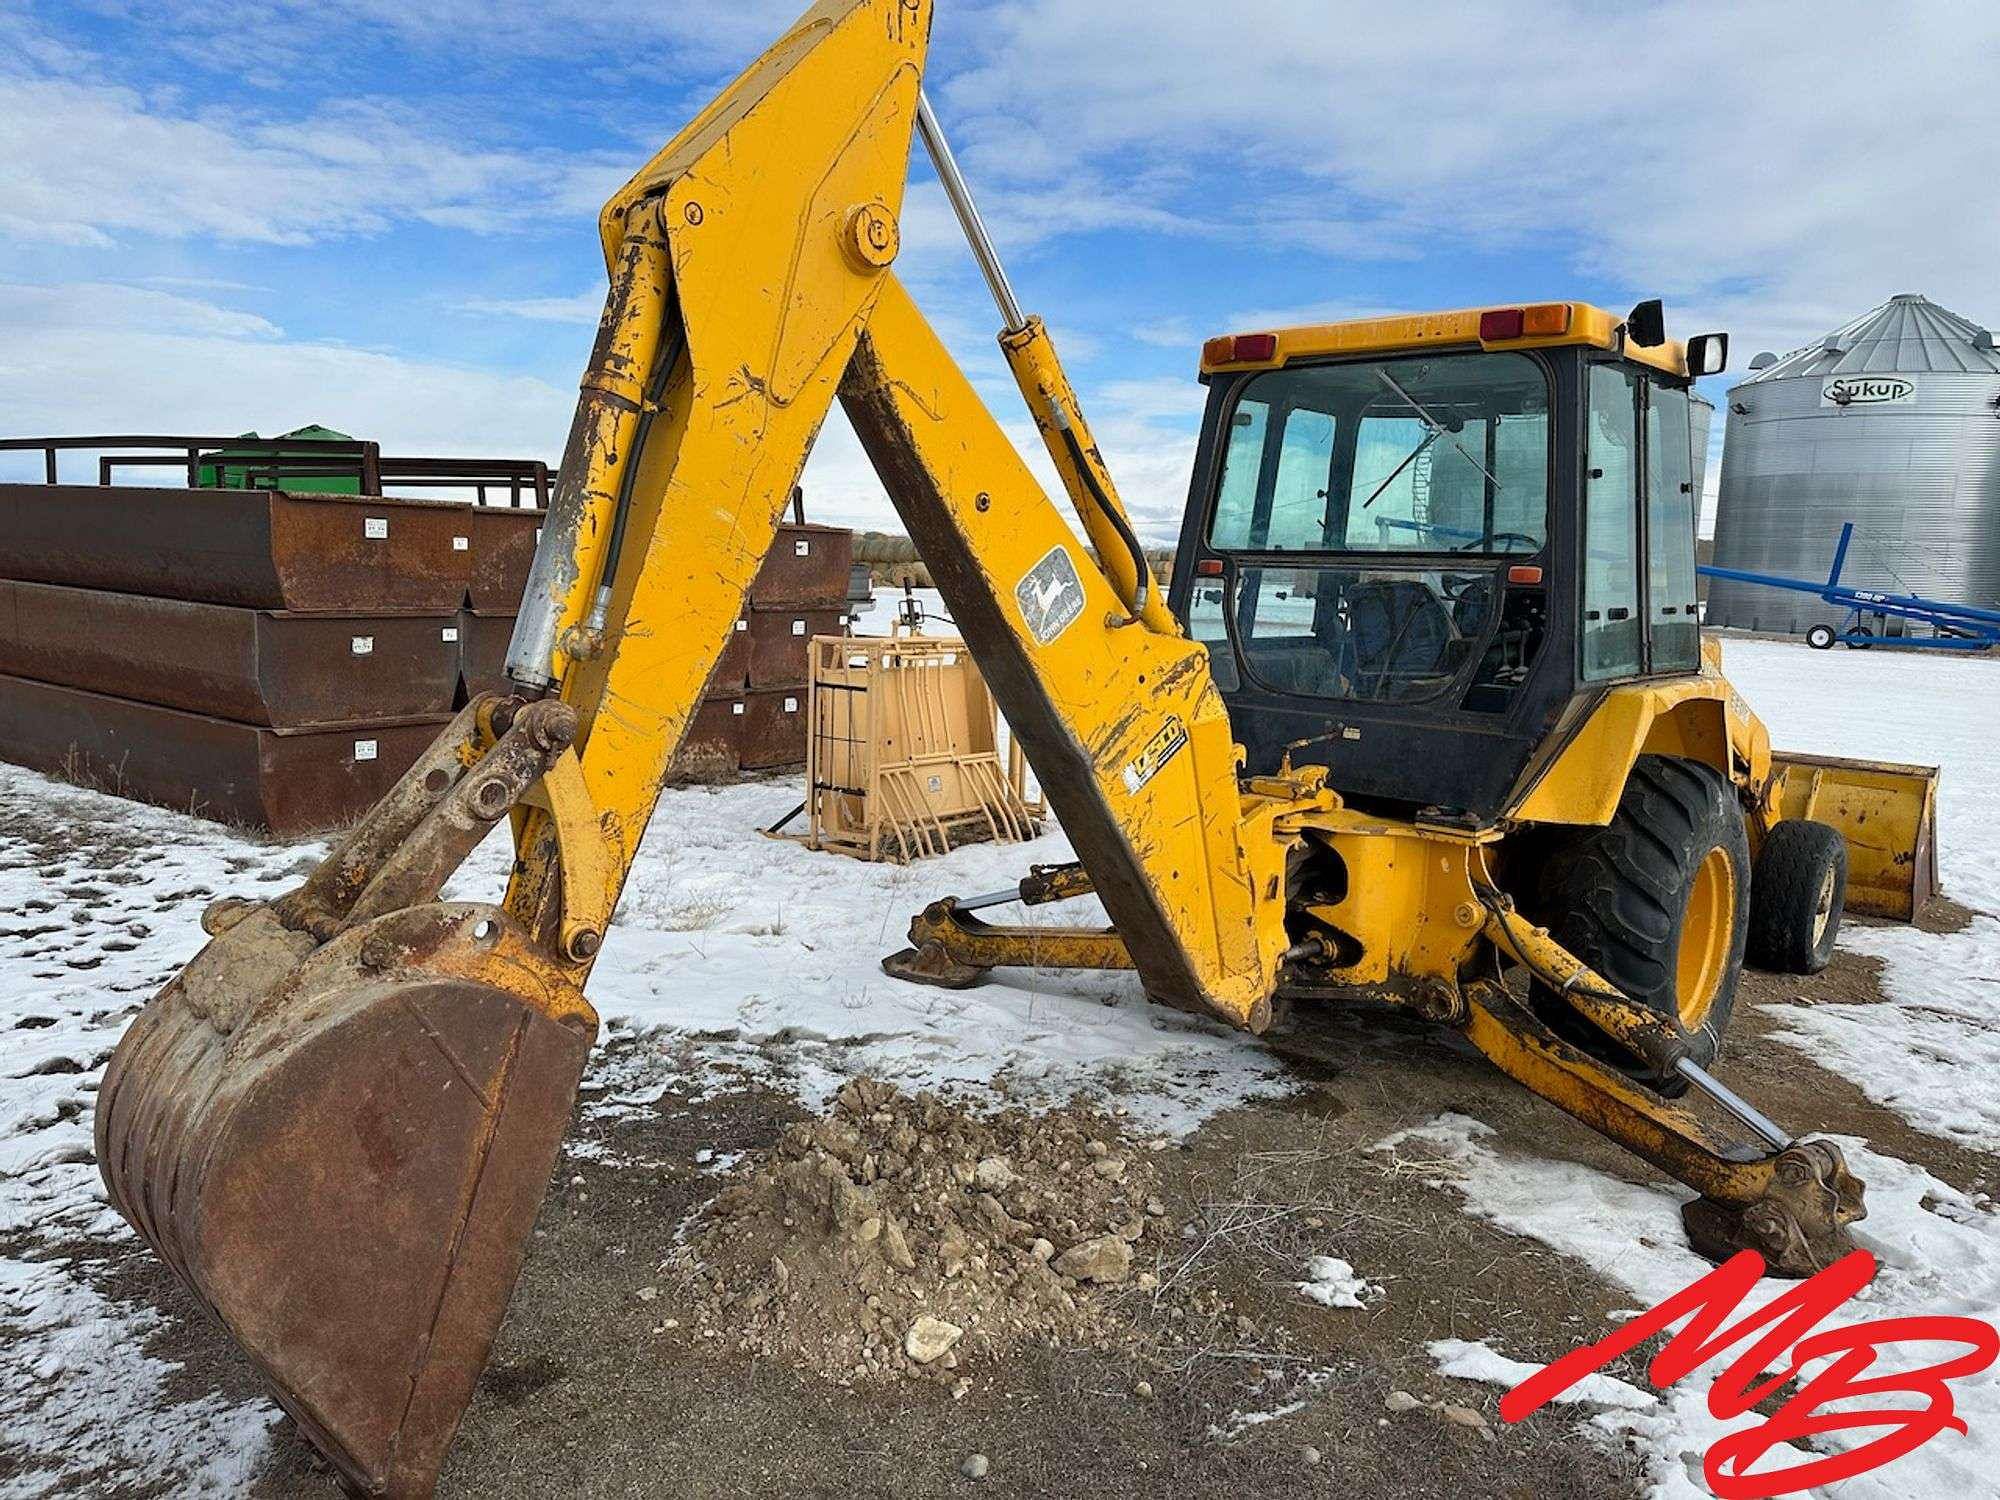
(1426, 717)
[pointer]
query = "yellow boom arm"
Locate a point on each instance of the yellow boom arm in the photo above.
(750, 285)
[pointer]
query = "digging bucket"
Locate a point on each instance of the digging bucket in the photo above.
(1888, 815)
(340, 1149)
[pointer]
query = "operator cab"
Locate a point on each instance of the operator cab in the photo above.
(1419, 549)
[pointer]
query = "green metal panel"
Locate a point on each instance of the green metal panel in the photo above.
(217, 471)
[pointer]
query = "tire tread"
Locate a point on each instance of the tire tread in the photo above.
(1613, 895)
(1784, 896)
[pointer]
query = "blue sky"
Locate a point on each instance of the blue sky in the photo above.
(381, 216)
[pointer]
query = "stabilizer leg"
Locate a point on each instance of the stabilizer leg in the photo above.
(1791, 1204)
(953, 950)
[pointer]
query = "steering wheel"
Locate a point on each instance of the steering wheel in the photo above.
(1487, 543)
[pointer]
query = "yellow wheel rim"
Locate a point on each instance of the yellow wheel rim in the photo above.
(1823, 910)
(1707, 931)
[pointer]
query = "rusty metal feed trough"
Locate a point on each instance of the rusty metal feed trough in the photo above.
(265, 667)
(273, 660)
(288, 782)
(226, 609)
(753, 716)
(316, 554)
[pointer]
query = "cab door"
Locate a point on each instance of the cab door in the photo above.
(1639, 616)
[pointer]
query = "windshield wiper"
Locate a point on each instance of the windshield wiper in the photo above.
(1438, 429)
(1414, 454)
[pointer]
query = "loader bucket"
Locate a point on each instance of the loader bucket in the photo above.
(1888, 815)
(340, 1151)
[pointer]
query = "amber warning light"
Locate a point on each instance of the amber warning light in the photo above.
(1543, 320)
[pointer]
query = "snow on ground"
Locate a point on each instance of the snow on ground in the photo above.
(1464, 1359)
(1939, 1252)
(1332, 1282)
(753, 941)
(99, 901)
(82, 1396)
(769, 954)
(1933, 1054)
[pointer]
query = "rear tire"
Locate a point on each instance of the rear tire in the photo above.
(1658, 902)
(1796, 898)
(1821, 637)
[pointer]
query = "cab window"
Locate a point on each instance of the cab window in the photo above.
(1442, 453)
(1614, 631)
(1275, 477)
(1670, 516)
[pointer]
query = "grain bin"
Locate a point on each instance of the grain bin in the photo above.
(1891, 422)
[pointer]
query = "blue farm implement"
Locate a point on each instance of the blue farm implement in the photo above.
(1877, 619)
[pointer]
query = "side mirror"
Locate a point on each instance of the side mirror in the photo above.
(1646, 324)
(1708, 354)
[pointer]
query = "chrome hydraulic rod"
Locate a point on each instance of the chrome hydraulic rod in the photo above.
(991, 898)
(1735, 1103)
(968, 215)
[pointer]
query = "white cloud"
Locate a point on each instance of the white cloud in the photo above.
(583, 309)
(86, 162)
(201, 283)
(55, 314)
(1167, 398)
(97, 358)
(1778, 171)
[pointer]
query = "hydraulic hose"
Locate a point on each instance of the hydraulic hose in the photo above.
(1142, 572)
(673, 341)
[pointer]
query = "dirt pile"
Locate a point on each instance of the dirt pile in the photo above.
(902, 1236)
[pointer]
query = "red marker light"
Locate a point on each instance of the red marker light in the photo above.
(1208, 567)
(1501, 323)
(1524, 573)
(1240, 349)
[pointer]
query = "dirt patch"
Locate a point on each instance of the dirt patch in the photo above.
(589, 1394)
(1851, 979)
(907, 1237)
(1941, 914)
